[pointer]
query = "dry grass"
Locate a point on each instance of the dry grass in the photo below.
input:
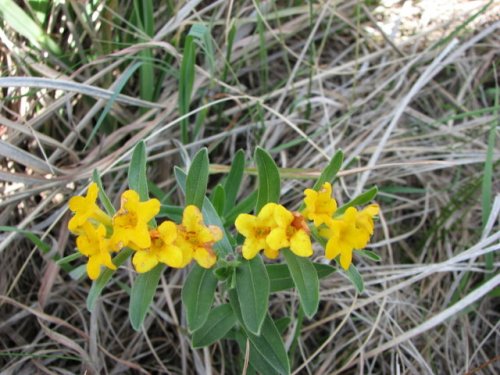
(409, 101)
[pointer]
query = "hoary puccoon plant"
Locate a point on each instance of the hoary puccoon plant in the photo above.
(243, 250)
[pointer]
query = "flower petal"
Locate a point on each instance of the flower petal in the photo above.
(93, 267)
(277, 239)
(192, 218)
(300, 244)
(77, 204)
(148, 210)
(271, 253)
(332, 249)
(140, 236)
(172, 256)
(245, 224)
(204, 258)
(168, 232)
(282, 216)
(144, 261)
(250, 248)
(345, 259)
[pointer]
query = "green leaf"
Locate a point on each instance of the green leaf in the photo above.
(353, 275)
(210, 216)
(22, 23)
(69, 258)
(257, 363)
(233, 181)
(198, 296)
(219, 199)
(103, 197)
(137, 171)
(369, 254)
(306, 280)
(99, 284)
(78, 272)
(328, 174)
(186, 82)
(282, 324)
(220, 320)
(269, 345)
(172, 212)
(197, 179)
(229, 50)
(141, 296)
(280, 278)
(252, 284)
(245, 206)
(360, 200)
(269, 179)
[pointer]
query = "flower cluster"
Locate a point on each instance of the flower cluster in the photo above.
(175, 245)
(345, 232)
(275, 228)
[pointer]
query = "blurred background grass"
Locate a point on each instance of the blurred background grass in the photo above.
(407, 89)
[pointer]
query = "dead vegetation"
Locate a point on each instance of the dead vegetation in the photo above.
(412, 100)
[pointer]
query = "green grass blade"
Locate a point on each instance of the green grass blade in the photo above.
(119, 87)
(22, 23)
(487, 183)
(186, 82)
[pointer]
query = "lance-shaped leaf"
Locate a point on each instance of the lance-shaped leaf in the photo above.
(306, 280)
(269, 179)
(280, 278)
(328, 174)
(269, 344)
(252, 284)
(137, 179)
(222, 247)
(220, 320)
(141, 296)
(197, 179)
(198, 296)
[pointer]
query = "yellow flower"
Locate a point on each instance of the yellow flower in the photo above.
(272, 229)
(130, 223)
(195, 239)
(256, 229)
(85, 208)
(162, 249)
(92, 242)
(350, 232)
(292, 233)
(364, 221)
(320, 205)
